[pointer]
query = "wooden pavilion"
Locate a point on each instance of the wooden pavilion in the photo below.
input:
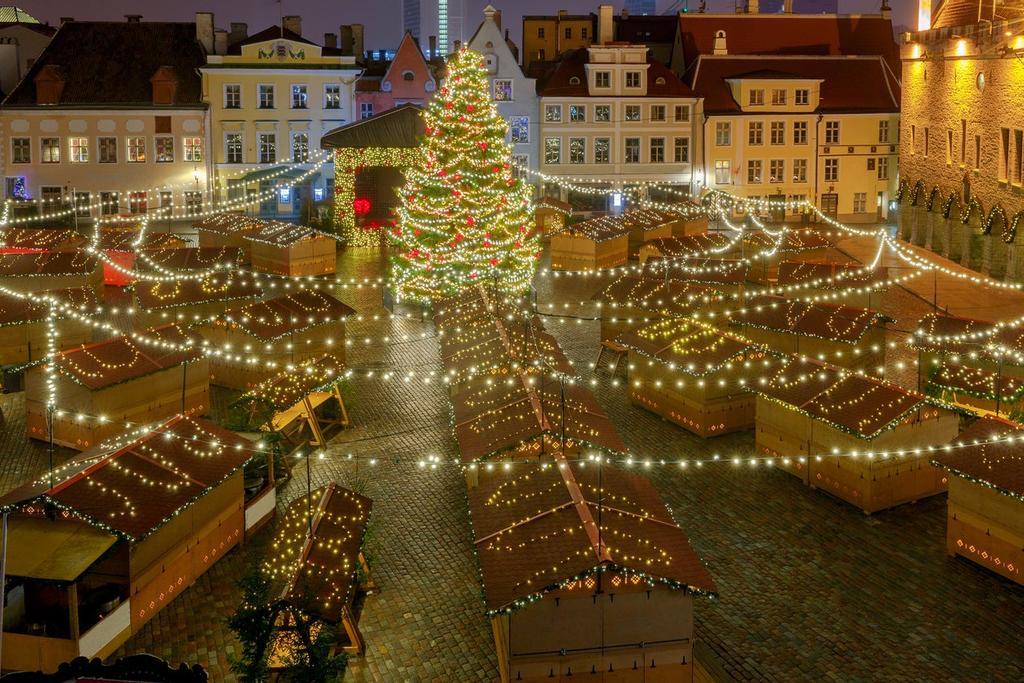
(319, 563)
(858, 438)
(980, 391)
(699, 245)
(550, 214)
(291, 250)
(724, 274)
(766, 250)
(594, 244)
(190, 300)
(256, 341)
(189, 259)
(114, 535)
(40, 271)
(101, 386)
(228, 229)
(985, 520)
(956, 342)
(693, 374)
(853, 338)
(24, 336)
(585, 575)
(848, 283)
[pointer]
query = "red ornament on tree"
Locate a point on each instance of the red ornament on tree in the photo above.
(494, 261)
(470, 107)
(361, 206)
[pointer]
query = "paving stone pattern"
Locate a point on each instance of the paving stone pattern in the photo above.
(810, 588)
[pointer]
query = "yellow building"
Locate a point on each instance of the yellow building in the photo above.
(546, 37)
(822, 128)
(271, 97)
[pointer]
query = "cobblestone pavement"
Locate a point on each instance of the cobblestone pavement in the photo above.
(810, 589)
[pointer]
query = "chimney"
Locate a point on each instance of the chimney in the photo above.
(605, 24)
(293, 23)
(357, 40)
(885, 10)
(239, 32)
(331, 40)
(50, 84)
(345, 39)
(753, 7)
(133, 18)
(165, 85)
(720, 46)
(497, 18)
(220, 42)
(65, 20)
(204, 30)
(432, 41)
(562, 13)
(458, 45)
(625, 13)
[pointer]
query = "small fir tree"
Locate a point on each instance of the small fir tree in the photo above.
(463, 218)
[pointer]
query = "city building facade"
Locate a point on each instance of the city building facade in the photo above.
(22, 40)
(406, 79)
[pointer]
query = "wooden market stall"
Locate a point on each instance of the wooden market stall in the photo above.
(256, 341)
(726, 275)
(550, 214)
(814, 417)
(980, 391)
(190, 301)
(115, 535)
(291, 250)
(228, 229)
(645, 225)
(138, 668)
(35, 240)
(693, 374)
(848, 283)
(767, 250)
(579, 585)
(320, 570)
(101, 386)
(591, 245)
(853, 338)
(120, 247)
(692, 220)
(631, 302)
(947, 343)
(24, 328)
(189, 259)
(985, 519)
(39, 271)
(704, 244)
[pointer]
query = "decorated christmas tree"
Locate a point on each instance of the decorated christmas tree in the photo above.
(463, 219)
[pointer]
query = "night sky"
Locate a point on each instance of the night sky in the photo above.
(381, 17)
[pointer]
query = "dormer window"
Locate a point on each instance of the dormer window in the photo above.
(574, 80)
(756, 98)
(802, 96)
(603, 79)
(408, 75)
(660, 80)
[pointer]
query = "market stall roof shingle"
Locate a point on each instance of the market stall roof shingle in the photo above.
(713, 271)
(836, 322)
(47, 263)
(791, 241)
(190, 258)
(538, 532)
(133, 484)
(112, 361)
(673, 297)
(692, 246)
(40, 239)
(287, 388)
(274, 318)
(400, 126)
(950, 334)
(130, 240)
(229, 223)
(996, 461)
(693, 347)
(15, 310)
(158, 294)
(976, 382)
(830, 275)
(599, 229)
(281, 234)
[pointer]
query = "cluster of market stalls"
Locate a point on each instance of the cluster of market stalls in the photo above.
(99, 544)
(583, 569)
(774, 332)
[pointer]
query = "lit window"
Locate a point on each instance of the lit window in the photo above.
(268, 148)
(300, 147)
(233, 148)
(79, 148)
(136, 149)
(193, 149)
(602, 150)
(164, 150)
(578, 113)
(553, 113)
(300, 97)
(577, 150)
(552, 150)
(332, 96)
(51, 150)
(503, 90)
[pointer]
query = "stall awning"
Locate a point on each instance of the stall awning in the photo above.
(54, 550)
(281, 173)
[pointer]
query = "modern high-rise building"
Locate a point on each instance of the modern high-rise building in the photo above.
(640, 6)
(442, 26)
(411, 18)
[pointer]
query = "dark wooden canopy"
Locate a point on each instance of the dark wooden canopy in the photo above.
(401, 126)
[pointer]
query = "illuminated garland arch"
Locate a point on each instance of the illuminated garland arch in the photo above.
(901, 191)
(1009, 232)
(915, 195)
(973, 207)
(347, 161)
(936, 193)
(947, 204)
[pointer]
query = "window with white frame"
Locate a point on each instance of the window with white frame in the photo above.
(520, 162)
(723, 133)
(860, 202)
(577, 150)
(332, 96)
(883, 132)
(164, 150)
(21, 150)
(831, 170)
(632, 112)
(232, 96)
(682, 113)
(753, 171)
(193, 148)
(602, 113)
(723, 172)
(883, 168)
(578, 113)
(519, 129)
(166, 199)
(602, 150)
(552, 151)
(107, 150)
(776, 171)
(632, 79)
(365, 110)
(193, 203)
(778, 133)
(266, 96)
(267, 148)
(657, 112)
(233, 148)
(632, 151)
(681, 150)
(50, 150)
(602, 79)
(756, 97)
(136, 146)
(755, 133)
(137, 202)
(78, 149)
(300, 147)
(657, 150)
(553, 113)
(831, 132)
(300, 96)
(109, 205)
(779, 97)
(799, 170)
(503, 90)
(802, 97)
(799, 132)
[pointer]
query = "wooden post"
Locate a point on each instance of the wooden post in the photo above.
(314, 425)
(73, 610)
(352, 630)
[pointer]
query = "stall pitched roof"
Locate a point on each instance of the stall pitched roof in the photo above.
(133, 484)
(54, 550)
(17, 310)
(976, 382)
(712, 271)
(287, 388)
(281, 234)
(274, 318)
(836, 322)
(131, 240)
(47, 263)
(830, 275)
(319, 573)
(542, 531)
(40, 239)
(155, 295)
(995, 462)
(190, 258)
(229, 223)
(639, 293)
(400, 126)
(693, 347)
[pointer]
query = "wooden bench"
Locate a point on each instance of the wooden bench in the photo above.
(290, 423)
(613, 348)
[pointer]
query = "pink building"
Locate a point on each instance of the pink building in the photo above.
(407, 79)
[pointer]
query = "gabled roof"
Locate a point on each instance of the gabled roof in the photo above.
(541, 531)
(189, 258)
(789, 34)
(836, 322)
(127, 240)
(274, 318)
(714, 271)
(155, 295)
(400, 126)
(976, 382)
(997, 463)
(569, 79)
(830, 275)
(631, 293)
(409, 46)
(40, 239)
(692, 347)
(133, 484)
(17, 310)
(269, 33)
(288, 387)
(111, 64)
(849, 84)
(15, 16)
(47, 263)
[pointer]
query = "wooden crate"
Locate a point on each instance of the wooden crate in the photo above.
(986, 527)
(577, 252)
(139, 400)
(310, 256)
